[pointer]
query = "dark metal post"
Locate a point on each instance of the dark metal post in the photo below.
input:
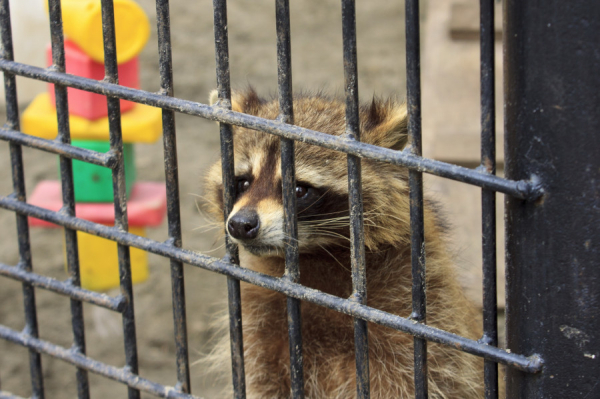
(553, 244)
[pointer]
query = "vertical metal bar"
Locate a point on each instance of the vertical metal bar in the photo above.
(120, 196)
(488, 197)
(551, 85)
(288, 173)
(417, 234)
(172, 181)
(357, 238)
(68, 193)
(18, 175)
(233, 285)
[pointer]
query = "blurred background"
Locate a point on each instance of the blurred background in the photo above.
(450, 81)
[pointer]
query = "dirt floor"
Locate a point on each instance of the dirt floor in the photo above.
(317, 65)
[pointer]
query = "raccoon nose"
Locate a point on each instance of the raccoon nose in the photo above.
(244, 225)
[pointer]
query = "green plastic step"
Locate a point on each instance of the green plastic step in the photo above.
(93, 183)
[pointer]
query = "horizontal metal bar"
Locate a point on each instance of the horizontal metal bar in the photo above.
(531, 364)
(523, 189)
(8, 395)
(122, 375)
(56, 147)
(63, 287)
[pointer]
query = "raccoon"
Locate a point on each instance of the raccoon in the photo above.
(256, 225)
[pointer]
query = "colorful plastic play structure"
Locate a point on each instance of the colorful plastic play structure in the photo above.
(88, 120)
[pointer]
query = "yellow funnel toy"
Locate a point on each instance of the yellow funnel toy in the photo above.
(82, 23)
(143, 124)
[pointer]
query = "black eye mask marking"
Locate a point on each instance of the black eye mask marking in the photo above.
(312, 203)
(316, 204)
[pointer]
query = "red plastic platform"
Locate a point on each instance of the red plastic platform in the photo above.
(83, 103)
(146, 206)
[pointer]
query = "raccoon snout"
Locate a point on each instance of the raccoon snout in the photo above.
(244, 225)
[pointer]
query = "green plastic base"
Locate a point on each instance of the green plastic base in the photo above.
(93, 183)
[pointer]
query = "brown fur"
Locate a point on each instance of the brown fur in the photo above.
(328, 340)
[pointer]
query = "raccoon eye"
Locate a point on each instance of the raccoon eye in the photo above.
(307, 193)
(301, 191)
(242, 185)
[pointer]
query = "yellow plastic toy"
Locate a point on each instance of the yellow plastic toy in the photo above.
(143, 124)
(82, 23)
(99, 262)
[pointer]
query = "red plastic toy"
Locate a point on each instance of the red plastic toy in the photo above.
(146, 206)
(83, 103)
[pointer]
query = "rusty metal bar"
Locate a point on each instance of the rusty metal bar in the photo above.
(417, 234)
(172, 182)
(18, 177)
(233, 285)
(120, 195)
(288, 173)
(68, 191)
(63, 287)
(488, 197)
(57, 147)
(532, 364)
(123, 375)
(528, 188)
(357, 235)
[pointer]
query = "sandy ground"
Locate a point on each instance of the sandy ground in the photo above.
(317, 64)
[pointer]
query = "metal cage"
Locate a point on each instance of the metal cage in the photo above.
(537, 191)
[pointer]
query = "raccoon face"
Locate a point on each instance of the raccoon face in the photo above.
(256, 222)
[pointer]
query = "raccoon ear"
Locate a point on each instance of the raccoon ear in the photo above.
(385, 124)
(213, 97)
(246, 101)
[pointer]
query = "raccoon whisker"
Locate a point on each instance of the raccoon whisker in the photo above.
(384, 215)
(213, 250)
(330, 234)
(290, 238)
(334, 258)
(207, 228)
(205, 216)
(342, 220)
(327, 222)
(330, 220)
(327, 213)
(204, 198)
(380, 227)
